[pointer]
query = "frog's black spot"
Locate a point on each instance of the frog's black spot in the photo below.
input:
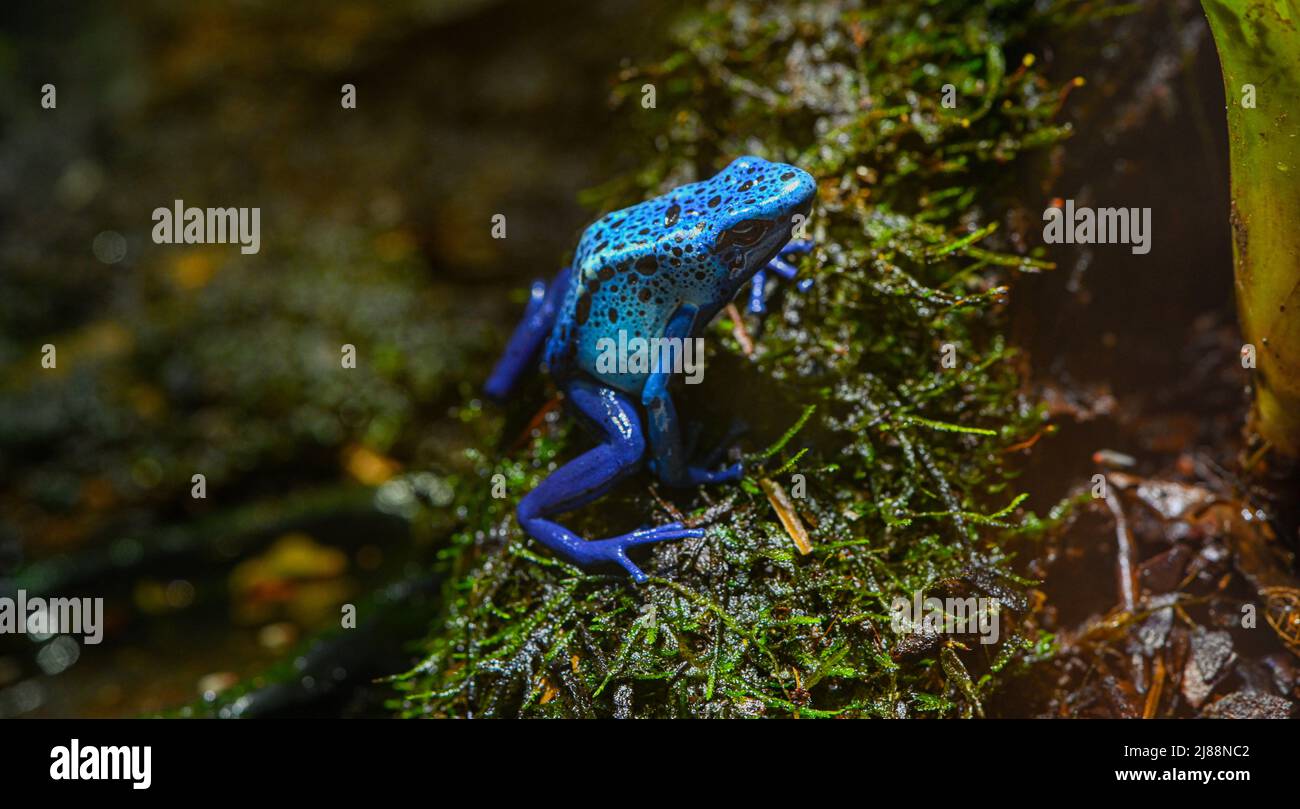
(644, 294)
(600, 247)
(671, 215)
(605, 273)
(676, 262)
(632, 279)
(583, 311)
(613, 314)
(593, 286)
(699, 275)
(677, 251)
(745, 186)
(624, 266)
(647, 265)
(690, 248)
(713, 203)
(789, 175)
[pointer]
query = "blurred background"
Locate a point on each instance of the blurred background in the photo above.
(173, 360)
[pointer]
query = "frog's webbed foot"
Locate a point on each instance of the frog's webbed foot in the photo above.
(690, 475)
(615, 549)
(591, 475)
(705, 471)
(710, 458)
(781, 267)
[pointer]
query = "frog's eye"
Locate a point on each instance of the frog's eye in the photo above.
(746, 233)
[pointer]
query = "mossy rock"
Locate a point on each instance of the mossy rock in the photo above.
(890, 387)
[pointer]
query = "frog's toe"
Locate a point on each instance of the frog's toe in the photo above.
(735, 432)
(783, 268)
(615, 549)
(700, 474)
(780, 267)
(683, 477)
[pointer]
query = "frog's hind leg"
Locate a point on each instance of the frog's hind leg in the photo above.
(533, 329)
(591, 475)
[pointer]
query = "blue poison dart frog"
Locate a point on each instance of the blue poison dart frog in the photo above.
(662, 268)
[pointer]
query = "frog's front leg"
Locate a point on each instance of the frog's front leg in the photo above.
(591, 475)
(526, 342)
(668, 460)
(783, 268)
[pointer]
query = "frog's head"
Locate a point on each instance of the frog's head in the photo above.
(755, 213)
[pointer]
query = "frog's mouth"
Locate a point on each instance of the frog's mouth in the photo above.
(748, 246)
(753, 257)
(770, 251)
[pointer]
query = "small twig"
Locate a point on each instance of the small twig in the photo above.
(536, 422)
(1025, 444)
(1257, 456)
(667, 506)
(711, 513)
(739, 331)
(1126, 570)
(789, 516)
(1153, 696)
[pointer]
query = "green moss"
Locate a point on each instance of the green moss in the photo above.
(908, 485)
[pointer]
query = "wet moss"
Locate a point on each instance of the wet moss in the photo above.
(890, 387)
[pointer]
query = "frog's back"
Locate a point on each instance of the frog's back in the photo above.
(632, 270)
(635, 268)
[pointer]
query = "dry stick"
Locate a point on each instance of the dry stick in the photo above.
(739, 331)
(665, 505)
(538, 419)
(1153, 696)
(789, 516)
(1125, 569)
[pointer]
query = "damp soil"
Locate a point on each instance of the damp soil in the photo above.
(1138, 358)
